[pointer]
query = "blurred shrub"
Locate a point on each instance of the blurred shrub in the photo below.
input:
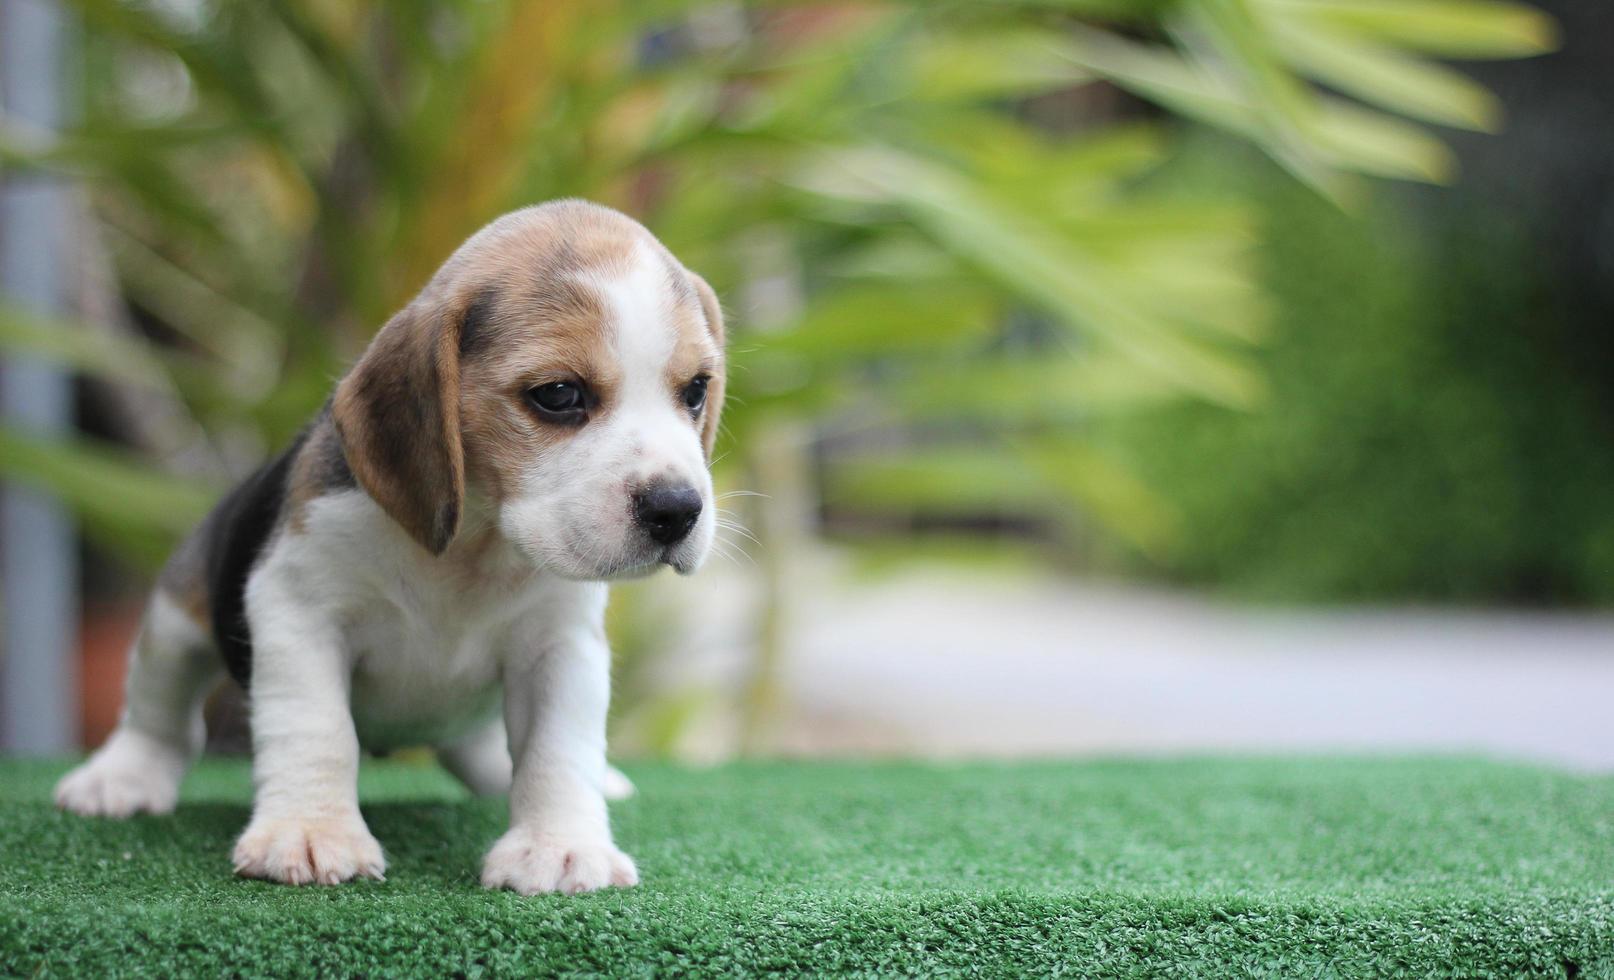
(1424, 436)
(864, 183)
(933, 224)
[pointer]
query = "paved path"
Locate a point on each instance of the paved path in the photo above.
(946, 665)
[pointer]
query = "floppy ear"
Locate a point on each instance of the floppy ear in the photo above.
(398, 413)
(714, 390)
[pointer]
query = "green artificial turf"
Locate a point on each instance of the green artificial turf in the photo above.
(1190, 868)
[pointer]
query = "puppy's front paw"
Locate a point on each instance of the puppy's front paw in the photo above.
(128, 775)
(530, 863)
(327, 851)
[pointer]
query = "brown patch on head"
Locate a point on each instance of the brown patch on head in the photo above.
(525, 252)
(438, 397)
(501, 433)
(539, 321)
(399, 412)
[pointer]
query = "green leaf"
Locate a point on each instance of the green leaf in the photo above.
(991, 63)
(1035, 477)
(906, 258)
(104, 483)
(955, 481)
(1283, 105)
(80, 348)
(1384, 146)
(1023, 391)
(1045, 173)
(1448, 28)
(1161, 75)
(1106, 490)
(219, 68)
(1032, 259)
(857, 323)
(1119, 152)
(1124, 10)
(1386, 77)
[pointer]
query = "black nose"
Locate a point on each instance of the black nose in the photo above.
(667, 513)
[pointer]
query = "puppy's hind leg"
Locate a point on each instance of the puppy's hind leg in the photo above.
(171, 669)
(617, 785)
(481, 760)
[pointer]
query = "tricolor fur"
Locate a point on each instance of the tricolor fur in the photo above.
(426, 564)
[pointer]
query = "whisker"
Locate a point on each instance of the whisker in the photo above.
(728, 519)
(730, 552)
(742, 532)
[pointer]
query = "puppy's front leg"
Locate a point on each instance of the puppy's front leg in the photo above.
(559, 837)
(305, 824)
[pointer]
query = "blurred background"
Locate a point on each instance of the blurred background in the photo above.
(1108, 376)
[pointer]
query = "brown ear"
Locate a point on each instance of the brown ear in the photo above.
(398, 413)
(714, 390)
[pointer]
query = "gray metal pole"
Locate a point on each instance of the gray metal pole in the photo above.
(38, 549)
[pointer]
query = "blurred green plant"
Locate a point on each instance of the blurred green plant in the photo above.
(271, 180)
(1423, 439)
(931, 216)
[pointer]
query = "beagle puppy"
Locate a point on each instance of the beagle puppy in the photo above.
(428, 562)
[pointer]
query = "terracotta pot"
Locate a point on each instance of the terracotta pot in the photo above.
(104, 638)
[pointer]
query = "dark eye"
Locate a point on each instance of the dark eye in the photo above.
(695, 394)
(560, 401)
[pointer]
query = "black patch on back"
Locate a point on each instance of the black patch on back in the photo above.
(474, 333)
(239, 528)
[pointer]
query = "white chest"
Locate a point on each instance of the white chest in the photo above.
(420, 676)
(428, 638)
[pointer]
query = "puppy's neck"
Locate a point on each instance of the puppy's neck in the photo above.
(479, 552)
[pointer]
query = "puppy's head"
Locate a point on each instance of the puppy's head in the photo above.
(563, 366)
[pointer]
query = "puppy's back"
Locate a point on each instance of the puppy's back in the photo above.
(207, 574)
